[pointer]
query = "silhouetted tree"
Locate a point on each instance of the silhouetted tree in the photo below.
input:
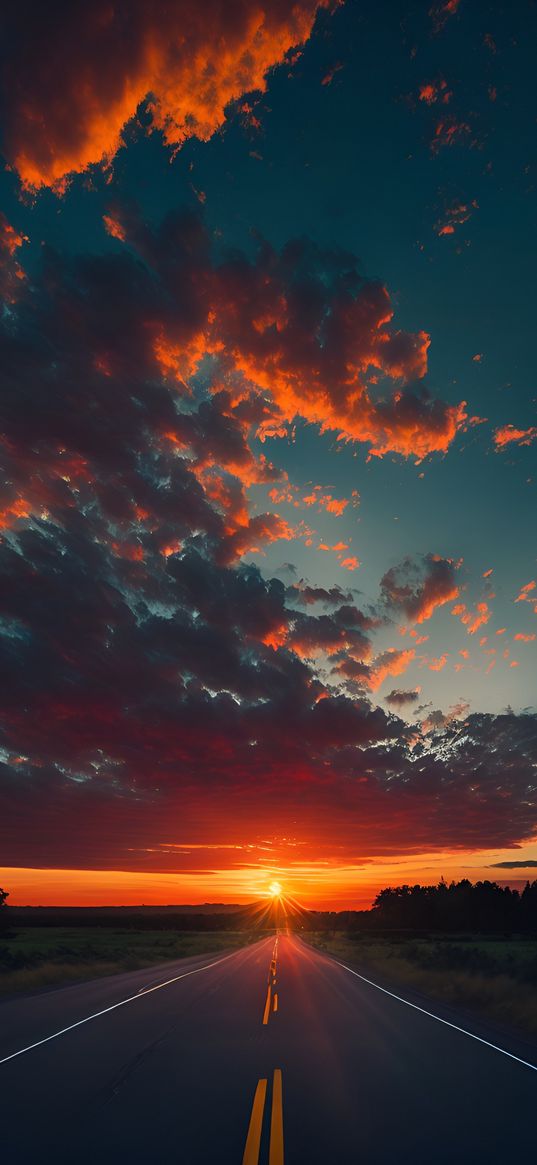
(4, 894)
(480, 906)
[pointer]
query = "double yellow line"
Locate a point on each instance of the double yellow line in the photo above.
(255, 1128)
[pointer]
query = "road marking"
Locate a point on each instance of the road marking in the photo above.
(114, 1006)
(431, 1015)
(276, 1121)
(253, 1139)
(275, 1004)
(266, 1012)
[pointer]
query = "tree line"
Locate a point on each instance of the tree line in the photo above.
(458, 906)
(480, 907)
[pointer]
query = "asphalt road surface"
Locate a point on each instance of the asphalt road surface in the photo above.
(269, 1053)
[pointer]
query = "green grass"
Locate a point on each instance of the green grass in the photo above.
(495, 977)
(35, 957)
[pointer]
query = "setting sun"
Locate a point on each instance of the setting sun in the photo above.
(275, 889)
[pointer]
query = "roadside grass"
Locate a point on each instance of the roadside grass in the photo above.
(35, 957)
(495, 977)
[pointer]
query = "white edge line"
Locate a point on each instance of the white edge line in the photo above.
(113, 1006)
(431, 1015)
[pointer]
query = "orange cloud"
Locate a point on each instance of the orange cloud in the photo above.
(258, 531)
(71, 88)
(419, 587)
(507, 434)
(325, 501)
(390, 663)
(11, 272)
(527, 596)
(114, 228)
(350, 563)
(438, 664)
(524, 638)
(18, 508)
(472, 621)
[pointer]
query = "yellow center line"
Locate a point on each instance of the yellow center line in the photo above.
(253, 1140)
(275, 1003)
(276, 1121)
(266, 1012)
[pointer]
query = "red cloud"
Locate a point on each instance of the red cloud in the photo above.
(441, 12)
(524, 638)
(455, 216)
(435, 91)
(506, 434)
(448, 131)
(72, 86)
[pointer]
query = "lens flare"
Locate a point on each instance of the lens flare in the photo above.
(275, 889)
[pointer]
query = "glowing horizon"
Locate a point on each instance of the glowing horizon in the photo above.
(313, 885)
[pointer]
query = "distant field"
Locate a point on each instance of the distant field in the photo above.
(496, 977)
(40, 956)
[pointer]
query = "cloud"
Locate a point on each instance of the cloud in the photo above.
(416, 587)
(389, 663)
(472, 620)
(454, 217)
(523, 865)
(508, 434)
(153, 675)
(77, 76)
(307, 595)
(441, 12)
(399, 698)
(449, 132)
(436, 721)
(432, 91)
(438, 664)
(11, 272)
(527, 594)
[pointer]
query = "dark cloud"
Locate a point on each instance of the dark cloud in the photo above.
(416, 587)
(150, 675)
(400, 698)
(513, 865)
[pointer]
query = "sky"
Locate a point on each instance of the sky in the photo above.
(268, 438)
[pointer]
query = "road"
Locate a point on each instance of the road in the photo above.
(274, 1051)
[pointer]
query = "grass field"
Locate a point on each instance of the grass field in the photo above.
(495, 977)
(35, 957)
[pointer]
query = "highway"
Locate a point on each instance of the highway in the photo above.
(274, 1052)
